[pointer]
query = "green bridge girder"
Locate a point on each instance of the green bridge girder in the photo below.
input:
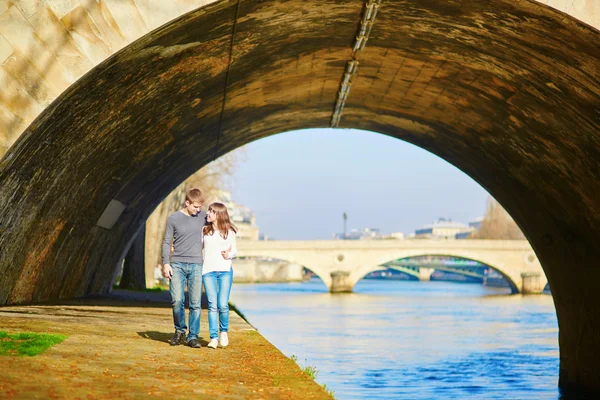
(412, 267)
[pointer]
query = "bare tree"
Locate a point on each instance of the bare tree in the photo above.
(497, 224)
(210, 180)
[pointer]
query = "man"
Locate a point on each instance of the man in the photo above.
(184, 233)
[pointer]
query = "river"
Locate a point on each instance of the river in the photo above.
(410, 339)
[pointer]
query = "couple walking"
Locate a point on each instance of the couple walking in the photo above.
(191, 232)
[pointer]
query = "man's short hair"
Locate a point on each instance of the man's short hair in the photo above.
(194, 195)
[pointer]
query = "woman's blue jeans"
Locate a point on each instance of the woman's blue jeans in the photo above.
(218, 287)
(192, 274)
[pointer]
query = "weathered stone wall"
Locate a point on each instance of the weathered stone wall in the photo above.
(46, 45)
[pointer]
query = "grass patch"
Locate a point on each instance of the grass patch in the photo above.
(312, 372)
(155, 289)
(27, 344)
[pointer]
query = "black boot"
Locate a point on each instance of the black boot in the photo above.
(176, 339)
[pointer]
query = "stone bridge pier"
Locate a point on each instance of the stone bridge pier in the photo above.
(340, 282)
(425, 273)
(532, 283)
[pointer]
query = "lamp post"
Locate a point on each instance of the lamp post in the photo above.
(345, 218)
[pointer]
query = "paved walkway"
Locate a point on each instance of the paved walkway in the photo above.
(117, 349)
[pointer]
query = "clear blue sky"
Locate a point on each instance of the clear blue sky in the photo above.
(300, 183)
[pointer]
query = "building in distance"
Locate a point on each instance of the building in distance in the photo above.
(474, 227)
(444, 229)
(368, 234)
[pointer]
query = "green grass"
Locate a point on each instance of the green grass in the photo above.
(312, 372)
(27, 344)
(155, 289)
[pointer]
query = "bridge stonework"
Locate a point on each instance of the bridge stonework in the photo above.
(505, 90)
(46, 45)
(349, 261)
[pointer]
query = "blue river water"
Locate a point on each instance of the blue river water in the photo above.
(412, 340)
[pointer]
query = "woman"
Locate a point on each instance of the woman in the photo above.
(217, 274)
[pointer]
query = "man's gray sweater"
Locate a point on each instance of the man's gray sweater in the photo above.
(185, 233)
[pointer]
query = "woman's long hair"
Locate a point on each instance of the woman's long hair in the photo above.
(224, 224)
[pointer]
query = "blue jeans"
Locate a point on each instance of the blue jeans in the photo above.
(218, 287)
(192, 274)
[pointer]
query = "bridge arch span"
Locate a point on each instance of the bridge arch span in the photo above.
(506, 91)
(510, 258)
(511, 267)
(47, 45)
(512, 275)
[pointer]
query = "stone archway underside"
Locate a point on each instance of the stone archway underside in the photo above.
(508, 91)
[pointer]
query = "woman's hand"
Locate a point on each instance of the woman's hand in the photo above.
(225, 253)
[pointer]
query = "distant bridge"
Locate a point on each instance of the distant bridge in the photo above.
(342, 263)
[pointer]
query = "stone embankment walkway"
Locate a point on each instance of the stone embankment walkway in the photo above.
(117, 349)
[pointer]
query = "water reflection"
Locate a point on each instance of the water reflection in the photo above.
(413, 340)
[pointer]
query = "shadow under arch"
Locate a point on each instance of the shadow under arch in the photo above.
(505, 91)
(510, 280)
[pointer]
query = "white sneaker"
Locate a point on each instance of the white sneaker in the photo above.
(224, 340)
(213, 343)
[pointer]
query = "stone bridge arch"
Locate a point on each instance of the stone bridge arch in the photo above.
(46, 45)
(355, 259)
(507, 91)
(509, 272)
